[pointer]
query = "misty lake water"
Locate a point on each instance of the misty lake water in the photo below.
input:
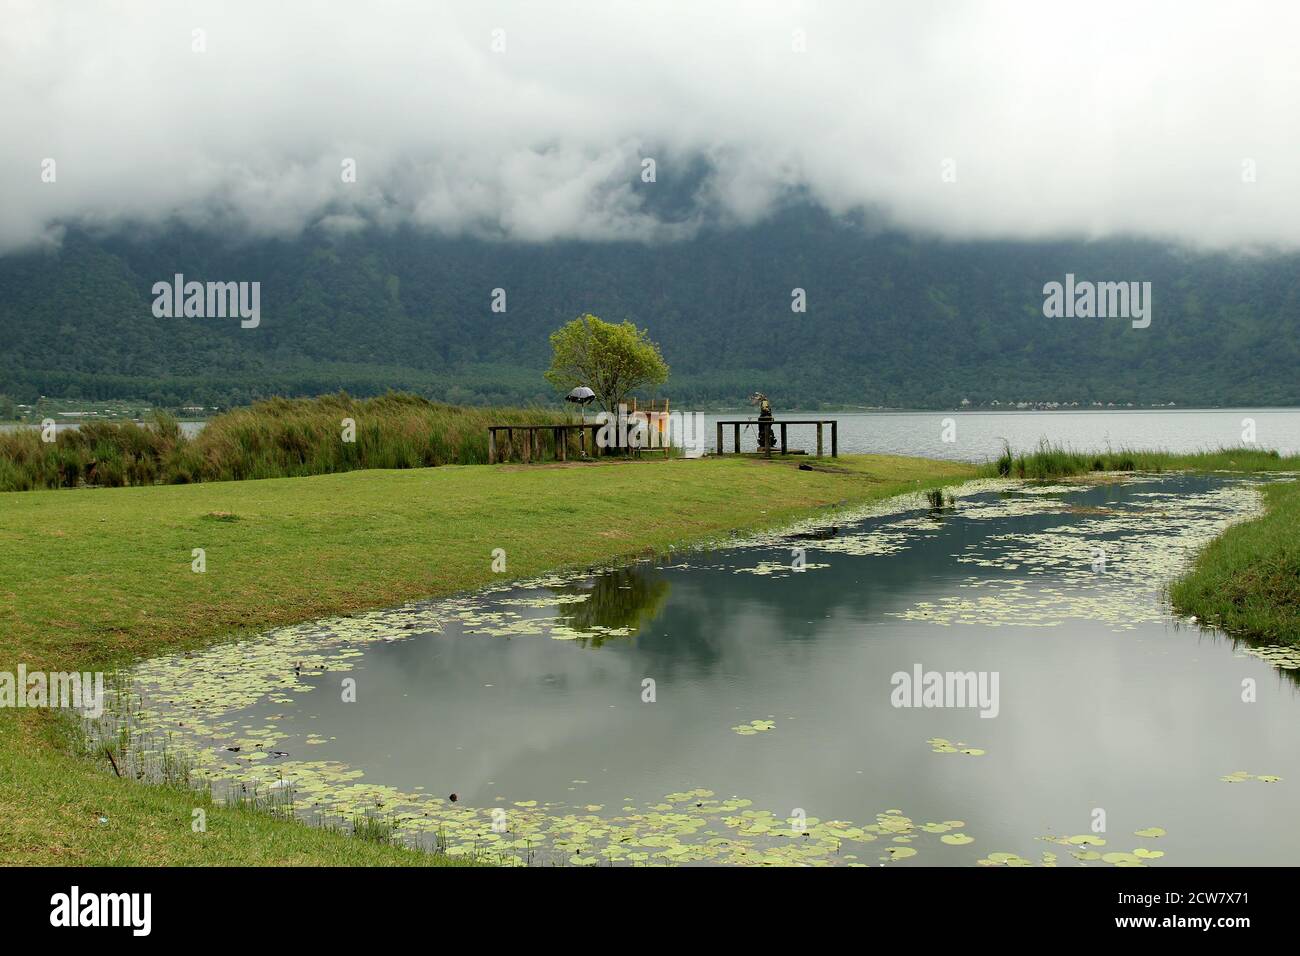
(773, 735)
(978, 435)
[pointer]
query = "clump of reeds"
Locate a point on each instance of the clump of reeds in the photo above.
(374, 829)
(106, 454)
(277, 438)
(1049, 461)
(938, 500)
(293, 437)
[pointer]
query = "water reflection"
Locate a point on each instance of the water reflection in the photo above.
(615, 603)
(502, 698)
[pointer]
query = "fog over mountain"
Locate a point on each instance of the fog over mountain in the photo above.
(529, 121)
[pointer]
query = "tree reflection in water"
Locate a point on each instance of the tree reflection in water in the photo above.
(619, 598)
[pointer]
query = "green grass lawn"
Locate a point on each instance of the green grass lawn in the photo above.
(94, 578)
(1248, 579)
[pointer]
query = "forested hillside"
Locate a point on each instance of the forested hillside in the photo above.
(891, 319)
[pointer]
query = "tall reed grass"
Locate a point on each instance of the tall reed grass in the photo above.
(277, 438)
(1049, 461)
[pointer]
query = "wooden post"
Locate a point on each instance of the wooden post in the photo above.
(835, 439)
(562, 443)
(492, 446)
(719, 438)
(736, 437)
(819, 439)
(783, 446)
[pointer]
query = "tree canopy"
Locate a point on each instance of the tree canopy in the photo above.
(612, 360)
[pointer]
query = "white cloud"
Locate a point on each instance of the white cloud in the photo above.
(1079, 119)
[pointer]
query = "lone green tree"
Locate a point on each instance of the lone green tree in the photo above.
(612, 360)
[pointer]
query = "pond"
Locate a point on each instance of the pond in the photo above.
(741, 704)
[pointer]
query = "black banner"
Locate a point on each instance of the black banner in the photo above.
(333, 906)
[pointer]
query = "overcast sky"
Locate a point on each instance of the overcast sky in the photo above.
(1059, 119)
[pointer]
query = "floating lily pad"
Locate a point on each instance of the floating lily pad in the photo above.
(941, 745)
(900, 852)
(1241, 776)
(1086, 839)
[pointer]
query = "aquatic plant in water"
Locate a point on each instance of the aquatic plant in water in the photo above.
(187, 712)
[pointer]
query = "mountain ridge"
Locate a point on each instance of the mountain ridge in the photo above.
(892, 320)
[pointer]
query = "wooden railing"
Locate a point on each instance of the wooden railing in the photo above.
(531, 442)
(781, 425)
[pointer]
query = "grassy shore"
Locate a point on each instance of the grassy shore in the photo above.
(1247, 581)
(101, 577)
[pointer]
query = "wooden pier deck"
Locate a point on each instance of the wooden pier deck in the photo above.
(779, 427)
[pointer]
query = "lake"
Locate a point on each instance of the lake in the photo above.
(742, 704)
(978, 436)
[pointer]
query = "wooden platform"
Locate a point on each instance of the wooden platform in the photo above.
(779, 426)
(529, 441)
